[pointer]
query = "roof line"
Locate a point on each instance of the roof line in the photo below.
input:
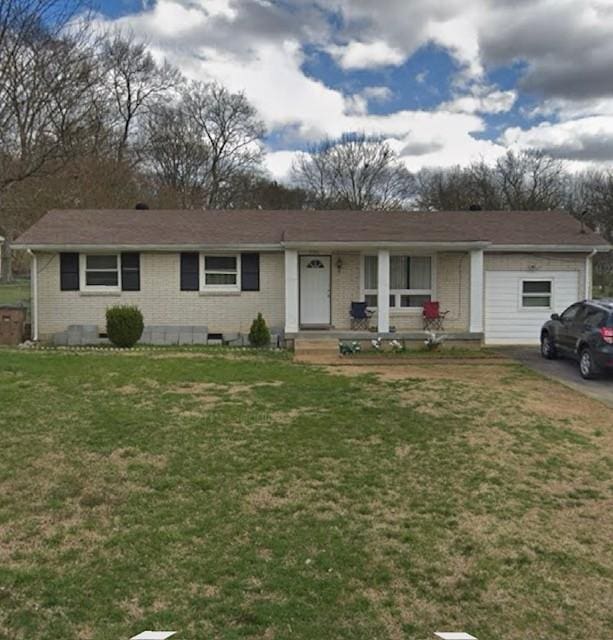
(572, 248)
(476, 244)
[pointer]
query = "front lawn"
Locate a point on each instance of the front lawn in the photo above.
(251, 497)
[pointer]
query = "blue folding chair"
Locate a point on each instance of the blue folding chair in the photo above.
(360, 315)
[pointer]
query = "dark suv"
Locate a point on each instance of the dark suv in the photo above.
(583, 332)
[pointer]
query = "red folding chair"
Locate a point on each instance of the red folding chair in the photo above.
(433, 316)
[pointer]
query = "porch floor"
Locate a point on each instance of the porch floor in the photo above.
(348, 334)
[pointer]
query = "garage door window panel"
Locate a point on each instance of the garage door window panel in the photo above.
(536, 294)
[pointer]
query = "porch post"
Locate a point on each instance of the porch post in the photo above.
(476, 291)
(291, 291)
(383, 291)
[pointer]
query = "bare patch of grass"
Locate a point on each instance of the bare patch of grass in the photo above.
(252, 497)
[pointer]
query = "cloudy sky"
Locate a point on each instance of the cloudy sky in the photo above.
(445, 81)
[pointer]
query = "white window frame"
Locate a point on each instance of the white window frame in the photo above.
(400, 292)
(219, 287)
(523, 295)
(97, 287)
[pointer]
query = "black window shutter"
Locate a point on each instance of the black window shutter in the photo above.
(250, 271)
(69, 271)
(190, 272)
(130, 271)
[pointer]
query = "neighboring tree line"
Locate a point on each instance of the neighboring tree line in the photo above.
(92, 120)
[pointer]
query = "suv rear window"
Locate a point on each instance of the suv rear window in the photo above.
(595, 317)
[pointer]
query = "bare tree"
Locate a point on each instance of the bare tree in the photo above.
(136, 82)
(440, 189)
(45, 74)
(530, 180)
(589, 197)
(354, 172)
(177, 155)
(232, 131)
(527, 180)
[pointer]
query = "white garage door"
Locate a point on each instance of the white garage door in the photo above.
(517, 303)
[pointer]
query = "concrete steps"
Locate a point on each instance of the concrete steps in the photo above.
(310, 349)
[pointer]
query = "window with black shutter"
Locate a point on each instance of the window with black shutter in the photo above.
(190, 280)
(130, 271)
(69, 271)
(250, 271)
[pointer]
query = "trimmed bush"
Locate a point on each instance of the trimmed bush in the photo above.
(124, 325)
(259, 335)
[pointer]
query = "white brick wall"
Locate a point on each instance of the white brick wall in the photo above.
(345, 287)
(162, 302)
(452, 291)
(160, 298)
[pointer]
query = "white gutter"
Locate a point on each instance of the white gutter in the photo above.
(387, 244)
(149, 247)
(567, 248)
(34, 296)
(488, 246)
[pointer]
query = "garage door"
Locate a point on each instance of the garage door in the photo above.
(517, 303)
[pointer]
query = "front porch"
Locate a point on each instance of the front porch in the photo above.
(321, 282)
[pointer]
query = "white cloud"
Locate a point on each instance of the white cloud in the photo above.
(377, 93)
(362, 55)
(167, 19)
(493, 102)
(583, 140)
(257, 46)
(279, 163)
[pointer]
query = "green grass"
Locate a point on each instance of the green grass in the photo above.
(250, 497)
(15, 293)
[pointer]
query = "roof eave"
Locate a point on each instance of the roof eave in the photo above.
(386, 244)
(566, 248)
(145, 247)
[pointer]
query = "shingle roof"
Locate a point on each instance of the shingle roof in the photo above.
(131, 227)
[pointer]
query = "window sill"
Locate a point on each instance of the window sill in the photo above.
(220, 293)
(115, 293)
(408, 311)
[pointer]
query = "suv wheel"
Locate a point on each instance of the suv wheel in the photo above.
(548, 347)
(587, 366)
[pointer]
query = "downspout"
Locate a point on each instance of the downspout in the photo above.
(588, 274)
(34, 295)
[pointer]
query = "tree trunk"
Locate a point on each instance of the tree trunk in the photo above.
(6, 262)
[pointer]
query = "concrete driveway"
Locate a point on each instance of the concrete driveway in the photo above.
(564, 371)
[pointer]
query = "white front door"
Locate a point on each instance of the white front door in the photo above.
(314, 290)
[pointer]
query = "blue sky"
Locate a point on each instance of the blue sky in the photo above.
(445, 82)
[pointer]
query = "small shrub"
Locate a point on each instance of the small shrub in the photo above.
(259, 335)
(124, 325)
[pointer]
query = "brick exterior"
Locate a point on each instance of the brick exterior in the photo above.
(452, 291)
(161, 300)
(345, 287)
